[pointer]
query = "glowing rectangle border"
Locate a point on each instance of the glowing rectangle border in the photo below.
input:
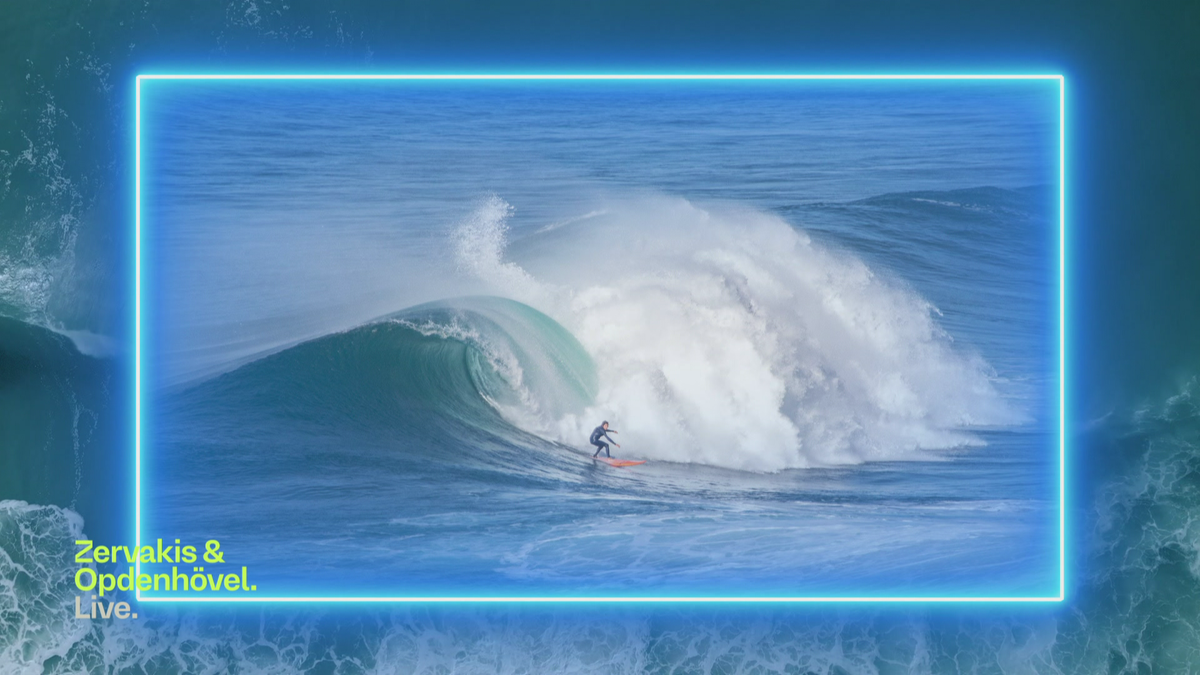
(1062, 339)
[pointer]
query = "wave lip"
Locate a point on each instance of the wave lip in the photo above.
(523, 363)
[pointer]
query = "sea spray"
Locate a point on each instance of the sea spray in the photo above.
(727, 336)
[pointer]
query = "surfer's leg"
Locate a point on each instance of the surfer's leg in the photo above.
(599, 446)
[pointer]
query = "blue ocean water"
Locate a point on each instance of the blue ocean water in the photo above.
(65, 111)
(382, 319)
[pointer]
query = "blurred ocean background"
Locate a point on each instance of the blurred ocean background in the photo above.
(64, 374)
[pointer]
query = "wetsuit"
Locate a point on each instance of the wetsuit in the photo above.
(598, 433)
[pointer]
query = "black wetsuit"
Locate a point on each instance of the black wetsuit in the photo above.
(598, 433)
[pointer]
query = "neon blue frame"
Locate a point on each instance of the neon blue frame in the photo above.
(1062, 342)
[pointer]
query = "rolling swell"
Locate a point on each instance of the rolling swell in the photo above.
(52, 400)
(472, 370)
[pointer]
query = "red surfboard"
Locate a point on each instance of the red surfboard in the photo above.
(619, 462)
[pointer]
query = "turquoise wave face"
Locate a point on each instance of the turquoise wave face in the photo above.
(519, 360)
(461, 369)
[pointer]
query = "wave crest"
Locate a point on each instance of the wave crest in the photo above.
(729, 337)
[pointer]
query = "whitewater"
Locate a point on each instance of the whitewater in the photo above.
(726, 336)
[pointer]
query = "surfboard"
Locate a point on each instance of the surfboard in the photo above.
(619, 462)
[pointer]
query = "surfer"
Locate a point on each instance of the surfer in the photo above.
(602, 432)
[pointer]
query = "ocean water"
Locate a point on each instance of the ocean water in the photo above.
(1131, 608)
(359, 341)
(64, 388)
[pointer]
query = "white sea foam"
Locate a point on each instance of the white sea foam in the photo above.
(37, 587)
(728, 337)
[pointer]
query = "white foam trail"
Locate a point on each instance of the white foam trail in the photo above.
(575, 219)
(729, 337)
(89, 343)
